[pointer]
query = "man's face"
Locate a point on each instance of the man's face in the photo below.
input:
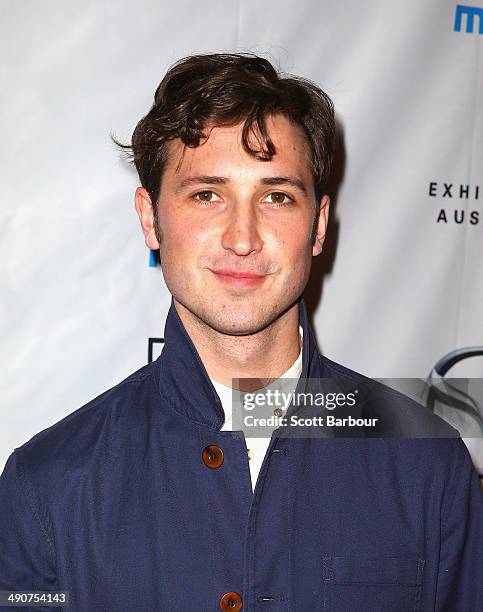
(236, 243)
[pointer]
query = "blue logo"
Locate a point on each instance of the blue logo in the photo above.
(470, 12)
(153, 258)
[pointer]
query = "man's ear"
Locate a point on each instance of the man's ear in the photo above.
(145, 211)
(321, 225)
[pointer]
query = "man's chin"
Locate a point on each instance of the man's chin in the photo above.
(236, 318)
(239, 321)
(239, 326)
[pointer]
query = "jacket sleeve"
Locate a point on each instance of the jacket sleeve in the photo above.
(27, 553)
(460, 578)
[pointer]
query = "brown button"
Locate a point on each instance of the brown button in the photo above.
(231, 601)
(212, 456)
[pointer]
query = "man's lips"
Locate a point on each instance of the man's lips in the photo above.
(238, 278)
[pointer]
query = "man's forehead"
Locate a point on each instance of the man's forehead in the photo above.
(222, 153)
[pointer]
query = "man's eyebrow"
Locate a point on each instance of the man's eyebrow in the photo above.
(222, 180)
(293, 181)
(199, 180)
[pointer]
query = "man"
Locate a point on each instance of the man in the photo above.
(146, 498)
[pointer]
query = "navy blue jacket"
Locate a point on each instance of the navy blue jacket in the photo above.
(115, 505)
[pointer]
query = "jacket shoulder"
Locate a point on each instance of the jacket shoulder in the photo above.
(78, 431)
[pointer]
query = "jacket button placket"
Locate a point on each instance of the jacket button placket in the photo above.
(226, 563)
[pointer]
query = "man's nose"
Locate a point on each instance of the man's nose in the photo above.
(242, 231)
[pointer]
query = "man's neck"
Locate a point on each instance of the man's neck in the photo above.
(264, 355)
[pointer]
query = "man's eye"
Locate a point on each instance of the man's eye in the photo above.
(279, 199)
(206, 196)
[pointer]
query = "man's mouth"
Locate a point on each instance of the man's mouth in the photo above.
(238, 278)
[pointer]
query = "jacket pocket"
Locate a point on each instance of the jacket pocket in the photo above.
(372, 584)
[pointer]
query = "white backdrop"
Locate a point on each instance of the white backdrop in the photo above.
(394, 289)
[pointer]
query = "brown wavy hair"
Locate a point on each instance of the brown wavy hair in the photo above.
(225, 89)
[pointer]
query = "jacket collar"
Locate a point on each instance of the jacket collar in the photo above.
(184, 382)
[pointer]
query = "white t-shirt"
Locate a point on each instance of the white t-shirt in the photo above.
(256, 447)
